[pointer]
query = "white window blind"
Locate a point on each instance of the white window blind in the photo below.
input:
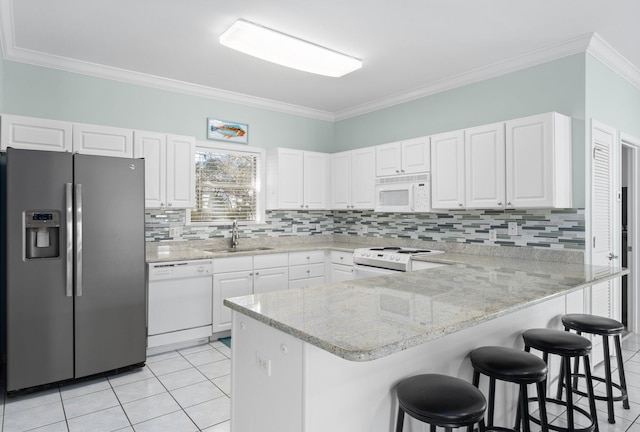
(226, 185)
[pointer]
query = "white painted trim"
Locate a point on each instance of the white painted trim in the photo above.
(634, 234)
(591, 43)
(608, 55)
(544, 55)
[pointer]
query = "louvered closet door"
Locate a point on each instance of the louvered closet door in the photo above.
(603, 151)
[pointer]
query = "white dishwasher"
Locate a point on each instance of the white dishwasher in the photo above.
(180, 298)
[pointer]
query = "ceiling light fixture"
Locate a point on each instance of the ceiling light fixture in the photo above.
(285, 50)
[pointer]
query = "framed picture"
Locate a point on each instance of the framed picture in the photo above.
(227, 131)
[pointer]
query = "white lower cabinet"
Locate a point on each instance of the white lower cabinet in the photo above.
(232, 277)
(270, 272)
(341, 266)
(246, 275)
(306, 269)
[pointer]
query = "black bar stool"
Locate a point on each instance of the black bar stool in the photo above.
(567, 346)
(515, 366)
(440, 400)
(605, 327)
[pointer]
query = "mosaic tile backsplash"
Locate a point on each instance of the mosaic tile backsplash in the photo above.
(548, 229)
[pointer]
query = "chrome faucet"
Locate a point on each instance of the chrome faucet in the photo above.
(235, 235)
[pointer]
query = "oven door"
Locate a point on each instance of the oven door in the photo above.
(363, 271)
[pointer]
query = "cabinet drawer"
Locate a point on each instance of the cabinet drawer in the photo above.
(270, 261)
(340, 257)
(308, 257)
(306, 271)
(232, 264)
(304, 283)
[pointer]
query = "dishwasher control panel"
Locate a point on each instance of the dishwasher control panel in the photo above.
(180, 269)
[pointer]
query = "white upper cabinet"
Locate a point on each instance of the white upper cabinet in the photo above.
(316, 180)
(353, 179)
(485, 166)
(448, 170)
(296, 179)
(403, 157)
(35, 134)
(169, 169)
(522, 163)
(181, 171)
(416, 157)
(102, 140)
(538, 168)
(152, 146)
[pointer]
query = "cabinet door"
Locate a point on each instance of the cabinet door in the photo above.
(152, 146)
(416, 157)
(363, 178)
(34, 134)
(226, 285)
(447, 170)
(388, 159)
(102, 140)
(341, 173)
(529, 153)
(181, 171)
(316, 167)
(341, 273)
(271, 279)
(485, 166)
(290, 179)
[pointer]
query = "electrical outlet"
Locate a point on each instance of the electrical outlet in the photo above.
(493, 235)
(318, 227)
(174, 231)
(294, 228)
(513, 228)
(364, 229)
(263, 363)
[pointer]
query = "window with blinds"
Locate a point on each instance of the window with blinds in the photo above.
(226, 186)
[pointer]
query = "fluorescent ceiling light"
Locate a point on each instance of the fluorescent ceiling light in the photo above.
(285, 50)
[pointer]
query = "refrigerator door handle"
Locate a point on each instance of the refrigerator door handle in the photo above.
(78, 240)
(69, 211)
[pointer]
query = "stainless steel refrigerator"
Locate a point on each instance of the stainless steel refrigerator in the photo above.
(75, 266)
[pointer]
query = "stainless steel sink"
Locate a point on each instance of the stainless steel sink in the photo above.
(239, 249)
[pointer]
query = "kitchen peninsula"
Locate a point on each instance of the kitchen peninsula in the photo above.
(328, 357)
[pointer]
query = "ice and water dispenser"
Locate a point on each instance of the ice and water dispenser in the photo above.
(42, 234)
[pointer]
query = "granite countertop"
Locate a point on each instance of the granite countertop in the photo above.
(186, 252)
(367, 319)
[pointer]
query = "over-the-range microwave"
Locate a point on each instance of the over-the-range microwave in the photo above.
(404, 194)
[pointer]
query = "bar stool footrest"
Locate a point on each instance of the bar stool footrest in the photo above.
(623, 393)
(585, 413)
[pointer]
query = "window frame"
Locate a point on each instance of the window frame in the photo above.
(260, 180)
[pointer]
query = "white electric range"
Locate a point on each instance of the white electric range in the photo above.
(376, 261)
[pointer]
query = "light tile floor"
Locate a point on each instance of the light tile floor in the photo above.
(189, 390)
(184, 390)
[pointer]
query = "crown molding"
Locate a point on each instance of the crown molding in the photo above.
(13, 53)
(608, 55)
(590, 43)
(533, 58)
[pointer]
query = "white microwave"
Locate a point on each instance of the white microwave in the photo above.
(404, 194)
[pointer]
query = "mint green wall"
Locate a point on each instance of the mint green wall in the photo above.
(611, 99)
(49, 93)
(554, 86)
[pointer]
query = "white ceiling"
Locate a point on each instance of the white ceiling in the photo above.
(409, 48)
